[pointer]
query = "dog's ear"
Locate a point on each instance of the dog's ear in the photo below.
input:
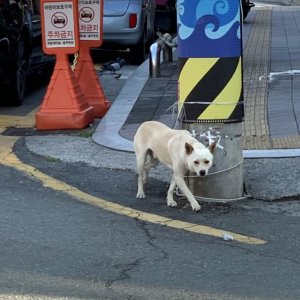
(212, 147)
(188, 148)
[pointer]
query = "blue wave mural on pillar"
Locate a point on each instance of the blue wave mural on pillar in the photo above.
(209, 28)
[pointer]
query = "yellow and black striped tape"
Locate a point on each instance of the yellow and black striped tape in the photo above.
(210, 90)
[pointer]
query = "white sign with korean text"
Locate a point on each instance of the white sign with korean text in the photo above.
(89, 20)
(59, 24)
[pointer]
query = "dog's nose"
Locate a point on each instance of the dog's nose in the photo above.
(202, 173)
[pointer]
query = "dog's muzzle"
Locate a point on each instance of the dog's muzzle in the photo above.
(202, 173)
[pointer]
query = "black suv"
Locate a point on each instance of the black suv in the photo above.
(20, 47)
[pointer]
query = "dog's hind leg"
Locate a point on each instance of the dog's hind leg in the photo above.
(170, 198)
(151, 163)
(140, 161)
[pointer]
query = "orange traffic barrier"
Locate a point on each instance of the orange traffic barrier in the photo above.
(64, 106)
(86, 76)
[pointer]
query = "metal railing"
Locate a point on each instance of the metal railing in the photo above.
(162, 44)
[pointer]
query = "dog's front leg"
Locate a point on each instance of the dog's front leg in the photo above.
(170, 198)
(140, 170)
(183, 187)
(140, 193)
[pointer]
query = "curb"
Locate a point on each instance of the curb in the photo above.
(107, 132)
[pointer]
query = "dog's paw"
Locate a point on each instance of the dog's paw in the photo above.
(140, 195)
(171, 203)
(195, 206)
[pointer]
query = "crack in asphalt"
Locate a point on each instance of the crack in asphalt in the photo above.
(271, 256)
(129, 267)
(151, 239)
(253, 252)
(123, 274)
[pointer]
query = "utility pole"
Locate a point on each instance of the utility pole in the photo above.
(210, 99)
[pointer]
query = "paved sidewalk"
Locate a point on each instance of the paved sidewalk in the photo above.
(271, 37)
(271, 70)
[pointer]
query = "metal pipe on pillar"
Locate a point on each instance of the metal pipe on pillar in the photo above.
(210, 85)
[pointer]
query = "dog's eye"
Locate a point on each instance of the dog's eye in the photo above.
(206, 162)
(196, 162)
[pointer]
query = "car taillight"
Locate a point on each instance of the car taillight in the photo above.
(132, 20)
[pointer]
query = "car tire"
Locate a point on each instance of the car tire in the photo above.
(15, 91)
(138, 52)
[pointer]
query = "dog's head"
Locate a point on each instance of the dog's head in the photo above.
(199, 158)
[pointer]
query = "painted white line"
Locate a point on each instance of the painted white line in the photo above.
(271, 153)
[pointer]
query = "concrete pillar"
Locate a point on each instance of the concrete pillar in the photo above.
(211, 92)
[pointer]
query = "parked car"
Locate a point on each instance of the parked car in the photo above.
(20, 47)
(165, 19)
(166, 16)
(129, 24)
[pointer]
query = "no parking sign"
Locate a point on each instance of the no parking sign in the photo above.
(90, 22)
(60, 26)
(74, 97)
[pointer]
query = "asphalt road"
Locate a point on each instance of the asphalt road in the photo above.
(55, 247)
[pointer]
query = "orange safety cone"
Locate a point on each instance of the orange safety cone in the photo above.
(86, 76)
(64, 106)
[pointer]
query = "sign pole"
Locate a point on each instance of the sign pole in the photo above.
(210, 91)
(63, 106)
(90, 34)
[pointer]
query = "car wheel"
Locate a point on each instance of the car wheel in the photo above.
(138, 52)
(16, 90)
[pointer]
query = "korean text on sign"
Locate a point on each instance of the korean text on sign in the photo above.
(89, 19)
(59, 24)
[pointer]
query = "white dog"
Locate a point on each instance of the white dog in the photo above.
(178, 150)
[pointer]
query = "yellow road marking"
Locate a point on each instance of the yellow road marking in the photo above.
(8, 158)
(6, 144)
